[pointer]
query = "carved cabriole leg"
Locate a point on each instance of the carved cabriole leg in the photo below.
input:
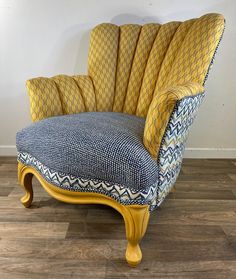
(136, 217)
(25, 180)
(136, 221)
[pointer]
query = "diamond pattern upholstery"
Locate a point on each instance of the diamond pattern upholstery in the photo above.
(196, 52)
(172, 51)
(70, 94)
(160, 111)
(144, 45)
(140, 70)
(154, 64)
(44, 98)
(102, 63)
(129, 35)
(87, 91)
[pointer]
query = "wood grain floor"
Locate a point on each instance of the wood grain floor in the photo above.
(192, 235)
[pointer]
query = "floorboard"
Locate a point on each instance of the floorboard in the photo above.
(192, 234)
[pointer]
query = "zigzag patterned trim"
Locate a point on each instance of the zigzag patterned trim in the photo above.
(119, 193)
(173, 144)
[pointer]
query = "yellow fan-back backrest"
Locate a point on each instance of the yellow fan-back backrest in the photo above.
(128, 65)
(131, 63)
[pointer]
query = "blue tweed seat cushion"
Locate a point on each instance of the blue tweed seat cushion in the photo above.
(92, 151)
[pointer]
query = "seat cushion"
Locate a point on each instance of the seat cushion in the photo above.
(92, 151)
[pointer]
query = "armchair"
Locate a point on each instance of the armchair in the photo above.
(117, 135)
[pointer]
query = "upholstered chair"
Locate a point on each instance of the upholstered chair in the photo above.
(117, 135)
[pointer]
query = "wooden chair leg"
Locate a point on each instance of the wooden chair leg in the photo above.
(25, 180)
(136, 217)
(136, 221)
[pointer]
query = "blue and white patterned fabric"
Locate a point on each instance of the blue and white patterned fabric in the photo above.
(93, 151)
(173, 145)
(103, 152)
(69, 182)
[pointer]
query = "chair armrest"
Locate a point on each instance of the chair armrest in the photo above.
(160, 111)
(60, 95)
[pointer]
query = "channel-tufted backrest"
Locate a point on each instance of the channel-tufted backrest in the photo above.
(130, 64)
(141, 70)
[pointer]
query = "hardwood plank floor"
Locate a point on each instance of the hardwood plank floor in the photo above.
(192, 234)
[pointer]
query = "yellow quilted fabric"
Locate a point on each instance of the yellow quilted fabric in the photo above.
(146, 39)
(102, 63)
(44, 98)
(129, 35)
(87, 91)
(154, 64)
(191, 63)
(172, 51)
(160, 111)
(70, 94)
(195, 54)
(134, 69)
(60, 95)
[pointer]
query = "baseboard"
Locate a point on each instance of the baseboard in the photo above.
(7, 150)
(205, 153)
(210, 153)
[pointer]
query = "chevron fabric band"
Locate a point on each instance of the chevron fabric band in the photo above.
(69, 182)
(173, 144)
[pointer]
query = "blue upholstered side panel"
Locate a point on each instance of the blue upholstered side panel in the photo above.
(173, 144)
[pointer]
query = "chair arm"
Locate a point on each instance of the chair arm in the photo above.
(160, 111)
(60, 95)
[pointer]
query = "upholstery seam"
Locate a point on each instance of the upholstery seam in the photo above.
(131, 68)
(59, 94)
(81, 90)
(179, 48)
(146, 66)
(126, 202)
(117, 56)
(160, 66)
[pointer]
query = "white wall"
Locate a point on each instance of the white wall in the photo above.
(48, 37)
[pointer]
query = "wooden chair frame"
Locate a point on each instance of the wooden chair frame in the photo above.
(136, 217)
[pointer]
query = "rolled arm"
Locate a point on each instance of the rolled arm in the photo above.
(60, 95)
(160, 112)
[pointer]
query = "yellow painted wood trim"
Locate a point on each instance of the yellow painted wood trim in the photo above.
(136, 217)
